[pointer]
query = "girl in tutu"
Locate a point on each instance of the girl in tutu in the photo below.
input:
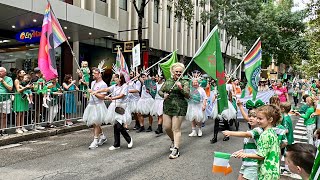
(145, 104)
(96, 111)
(196, 106)
(118, 113)
(134, 87)
(157, 109)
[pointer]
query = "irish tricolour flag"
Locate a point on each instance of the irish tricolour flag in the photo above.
(221, 163)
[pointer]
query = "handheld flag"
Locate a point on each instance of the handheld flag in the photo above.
(166, 65)
(52, 36)
(252, 67)
(221, 163)
(122, 65)
(315, 173)
(209, 58)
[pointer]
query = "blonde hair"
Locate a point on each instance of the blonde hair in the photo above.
(176, 65)
(271, 111)
(286, 106)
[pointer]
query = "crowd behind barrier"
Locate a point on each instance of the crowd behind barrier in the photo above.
(68, 106)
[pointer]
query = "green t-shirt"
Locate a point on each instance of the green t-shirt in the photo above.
(303, 108)
(3, 89)
(287, 123)
(269, 149)
(55, 99)
(250, 146)
(308, 120)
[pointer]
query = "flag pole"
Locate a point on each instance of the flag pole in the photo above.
(160, 60)
(245, 56)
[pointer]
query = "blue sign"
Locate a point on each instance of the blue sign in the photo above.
(31, 35)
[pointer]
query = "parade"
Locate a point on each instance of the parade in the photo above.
(182, 114)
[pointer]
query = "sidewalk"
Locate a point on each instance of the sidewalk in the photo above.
(35, 134)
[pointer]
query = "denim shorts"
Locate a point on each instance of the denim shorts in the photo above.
(249, 172)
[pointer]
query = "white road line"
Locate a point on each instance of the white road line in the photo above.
(10, 146)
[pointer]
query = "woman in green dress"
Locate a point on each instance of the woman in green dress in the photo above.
(174, 106)
(20, 105)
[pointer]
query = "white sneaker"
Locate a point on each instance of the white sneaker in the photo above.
(113, 148)
(199, 133)
(19, 131)
(24, 129)
(130, 144)
(40, 128)
(193, 133)
(102, 140)
(93, 145)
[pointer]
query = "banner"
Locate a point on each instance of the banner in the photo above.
(263, 95)
(136, 60)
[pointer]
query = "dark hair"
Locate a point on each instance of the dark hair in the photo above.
(66, 78)
(18, 76)
(271, 111)
(304, 97)
(317, 132)
(274, 100)
(28, 76)
(302, 155)
(286, 106)
(95, 69)
(122, 80)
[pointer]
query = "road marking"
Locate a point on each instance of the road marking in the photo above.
(301, 128)
(300, 132)
(10, 146)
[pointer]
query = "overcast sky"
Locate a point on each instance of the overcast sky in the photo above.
(300, 4)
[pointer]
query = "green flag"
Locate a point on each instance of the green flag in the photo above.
(252, 67)
(166, 65)
(315, 173)
(209, 58)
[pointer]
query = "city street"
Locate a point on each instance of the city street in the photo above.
(68, 157)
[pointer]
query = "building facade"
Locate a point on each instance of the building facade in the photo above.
(94, 26)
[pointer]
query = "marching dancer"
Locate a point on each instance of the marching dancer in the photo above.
(118, 113)
(145, 104)
(133, 98)
(174, 106)
(96, 111)
(157, 109)
(196, 106)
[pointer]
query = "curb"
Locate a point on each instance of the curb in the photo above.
(31, 135)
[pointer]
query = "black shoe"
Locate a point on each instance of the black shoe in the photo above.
(159, 131)
(213, 140)
(149, 129)
(136, 127)
(141, 129)
(174, 154)
(226, 139)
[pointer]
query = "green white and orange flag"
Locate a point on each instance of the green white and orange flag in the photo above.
(252, 68)
(315, 173)
(209, 58)
(221, 163)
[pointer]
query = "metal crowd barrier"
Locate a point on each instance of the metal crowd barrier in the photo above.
(68, 106)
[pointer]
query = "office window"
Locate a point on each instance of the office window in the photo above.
(188, 31)
(221, 35)
(156, 11)
(123, 4)
(197, 28)
(238, 45)
(226, 37)
(233, 42)
(204, 33)
(179, 25)
(168, 16)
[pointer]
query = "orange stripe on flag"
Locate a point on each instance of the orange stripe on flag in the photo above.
(222, 169)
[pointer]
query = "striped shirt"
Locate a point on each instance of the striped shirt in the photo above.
(250, 146)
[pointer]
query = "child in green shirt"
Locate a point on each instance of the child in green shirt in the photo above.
(268, 154)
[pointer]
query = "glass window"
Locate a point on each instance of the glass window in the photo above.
(123, 4)
(156, 12)
(204, 33)
(197, 27)
(168, 16)
(179, 25)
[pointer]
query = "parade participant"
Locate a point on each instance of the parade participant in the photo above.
(157, 109)
(237, 87)
(282, 92)
(134, 95)
(300, 158)
(309, 121)
(118, 113)
(96, 111)
(69, 99)
(249, 166)
(268, 148)
(144, 105)
(196, 106)
(295, 95)
(174, 106)
(20, 105)
(251, 106)
(263, 85)
(317, 138)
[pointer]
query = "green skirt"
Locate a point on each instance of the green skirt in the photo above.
(20, 104)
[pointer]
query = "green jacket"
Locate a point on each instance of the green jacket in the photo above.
(307, 119)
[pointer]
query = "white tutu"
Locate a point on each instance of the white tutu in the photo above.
(144, 105)
(132, 105)
(157, 109)
(95, 114)
(195, 112)
(112, 116)
(214, 114)
(229, 113)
